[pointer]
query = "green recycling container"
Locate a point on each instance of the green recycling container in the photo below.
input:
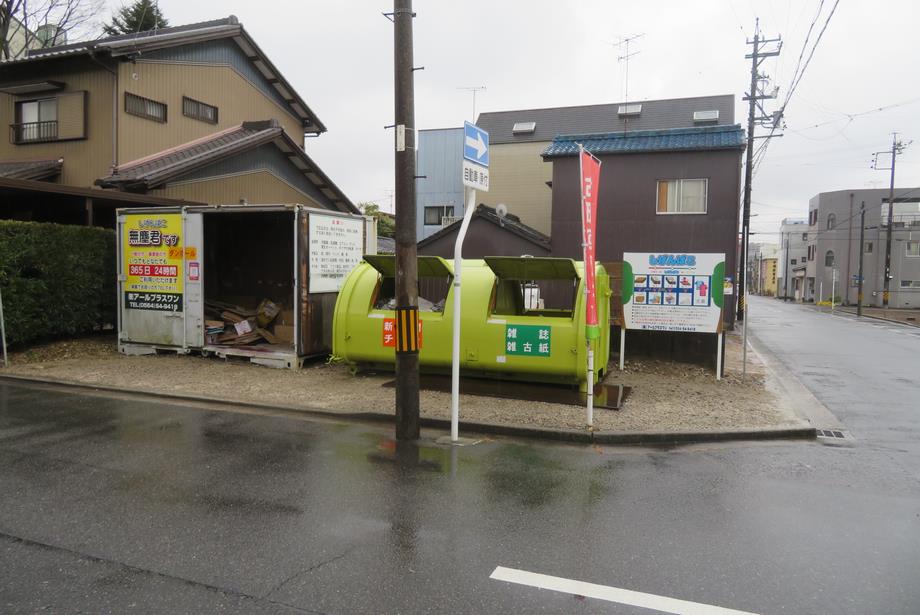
(522, 318)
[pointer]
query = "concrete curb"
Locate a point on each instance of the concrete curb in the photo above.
(519, 431)
(880, 319)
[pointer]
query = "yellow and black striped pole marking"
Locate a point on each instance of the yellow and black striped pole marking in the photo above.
(407, 330)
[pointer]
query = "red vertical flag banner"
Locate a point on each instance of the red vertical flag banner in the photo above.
(590, 182)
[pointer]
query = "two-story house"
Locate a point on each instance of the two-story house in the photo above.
(194, 114)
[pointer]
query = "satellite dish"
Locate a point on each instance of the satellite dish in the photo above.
(501, 210)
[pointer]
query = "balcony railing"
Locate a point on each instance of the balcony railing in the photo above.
(34, 132)
(448, 220)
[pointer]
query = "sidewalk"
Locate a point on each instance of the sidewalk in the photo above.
(903, 316)
(679, 399)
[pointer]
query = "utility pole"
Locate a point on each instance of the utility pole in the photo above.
(407, 377)
(754, 96)
(897, 147)
(862, 249)
(786, 270)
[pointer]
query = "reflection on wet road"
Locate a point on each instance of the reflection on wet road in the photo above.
(111, 501)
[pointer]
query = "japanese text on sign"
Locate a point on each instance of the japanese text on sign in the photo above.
(528, 340)
(152, 264)
(389, 333)
(336, 246)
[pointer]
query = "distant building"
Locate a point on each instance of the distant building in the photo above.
(762, 259)
(487, 235)
(793, 237)
(833, 246)
(660, 191)
(520, 178)
(439, 189)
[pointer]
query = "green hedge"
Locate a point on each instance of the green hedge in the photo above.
(56, 279)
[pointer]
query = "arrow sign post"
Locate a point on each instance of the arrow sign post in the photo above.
(475, 144)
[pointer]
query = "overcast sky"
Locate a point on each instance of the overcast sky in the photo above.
(541, 53)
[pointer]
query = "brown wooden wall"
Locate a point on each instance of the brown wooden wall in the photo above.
(257, 187)
(482, 239)
(85, 159)
(626, 218)
(235, 97)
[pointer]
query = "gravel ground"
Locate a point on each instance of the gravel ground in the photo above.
(666, 396)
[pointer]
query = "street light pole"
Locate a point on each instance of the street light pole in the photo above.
(862, 249)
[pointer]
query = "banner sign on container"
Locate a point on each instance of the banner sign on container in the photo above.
(590, 184)
(336, 246)
(152, 264)
(673, 291)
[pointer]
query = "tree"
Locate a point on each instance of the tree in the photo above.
(386, 225)
(139, 16)
(34, 24)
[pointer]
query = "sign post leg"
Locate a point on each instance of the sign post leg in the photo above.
(6, 362)
(590, 390)
(622, 347)
(719, 358)
(455, 350)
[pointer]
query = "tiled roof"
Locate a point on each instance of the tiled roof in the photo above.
(589, 119)
(160, 168)
(31, 169)
(510, 223)
(674, 140)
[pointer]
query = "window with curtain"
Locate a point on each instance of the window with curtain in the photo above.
(829, 258)
(831, 221)
(145, 108)
(682, 196)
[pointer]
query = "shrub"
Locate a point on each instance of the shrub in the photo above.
(56, 280)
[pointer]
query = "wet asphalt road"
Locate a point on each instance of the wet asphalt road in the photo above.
(118, 504)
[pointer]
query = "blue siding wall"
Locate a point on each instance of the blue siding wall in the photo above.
(221, 51)
(263, 158)
(440, 154)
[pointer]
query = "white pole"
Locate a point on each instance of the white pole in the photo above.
(833, 287)
(820, 292)
(744, 334)
(590, 384)
(455, 351)
(622, 346)
(6, 361)
(719, 358)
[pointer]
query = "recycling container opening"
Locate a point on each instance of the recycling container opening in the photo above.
(521, 318)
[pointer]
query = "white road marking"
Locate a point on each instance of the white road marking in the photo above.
(610, 594)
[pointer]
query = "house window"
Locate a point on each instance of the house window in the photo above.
(794, 261)
(198, 110)
(829, 258)
(434, 215)
(831, 221)
(912, 248)
(36, 121)
(145, 108)
(867, 248)
(682, 196)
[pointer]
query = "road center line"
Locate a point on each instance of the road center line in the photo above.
(610, 594)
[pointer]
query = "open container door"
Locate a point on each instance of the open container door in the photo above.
(159, 291)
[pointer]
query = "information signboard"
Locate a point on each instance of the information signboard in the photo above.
(336, 246)
(673, 292)
(153, 254)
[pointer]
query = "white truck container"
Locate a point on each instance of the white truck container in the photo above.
(174, 260)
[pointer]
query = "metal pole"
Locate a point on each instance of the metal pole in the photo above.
(590, 390)
(719, 358)
(6, 361)
(590, 385)
(833, 287)
(894, 155)
(786, 268)
(820, 292)
(862, 248)
(846, 280)
(407, 376)
(455, 349)
(622, 346)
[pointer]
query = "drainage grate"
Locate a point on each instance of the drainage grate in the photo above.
(830, 433)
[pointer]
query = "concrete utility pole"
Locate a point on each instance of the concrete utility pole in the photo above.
(897, 147)
(862, 249)
(755, 95)
(786, 270)
(407, 376)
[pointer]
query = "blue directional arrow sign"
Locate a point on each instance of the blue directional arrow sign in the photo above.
(475, 144)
